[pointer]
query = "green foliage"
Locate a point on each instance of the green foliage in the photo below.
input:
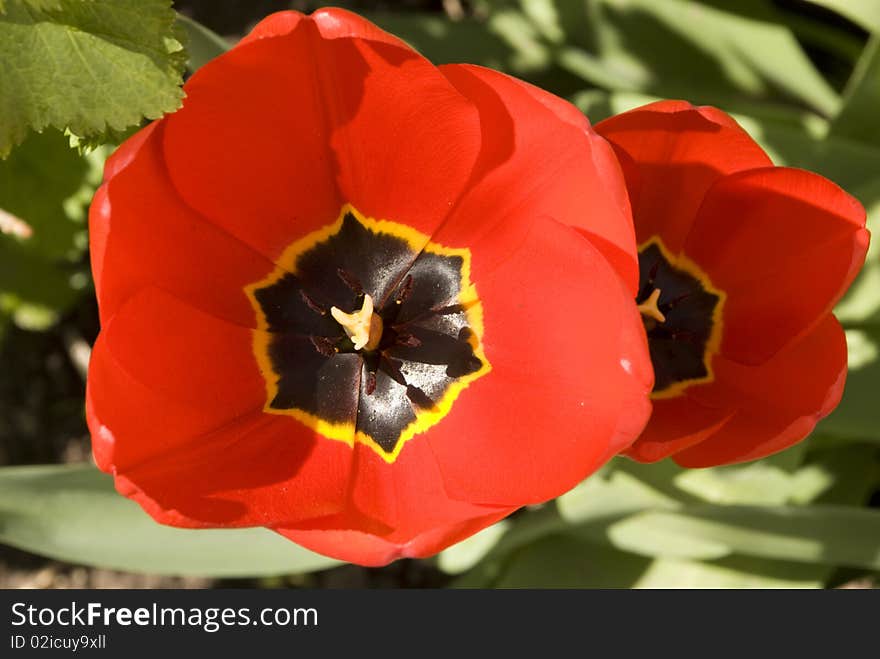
(857, 119)
(865, 13)
(88, 66)
(203, 45)
(787, 521)
(74, 514)
(44, 186)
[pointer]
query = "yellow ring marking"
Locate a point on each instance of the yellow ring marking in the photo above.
(425, 417)
(713, 344)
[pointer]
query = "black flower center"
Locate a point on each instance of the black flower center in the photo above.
(425, 331)
(681, 312)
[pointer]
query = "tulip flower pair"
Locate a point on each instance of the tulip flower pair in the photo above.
(377, 305)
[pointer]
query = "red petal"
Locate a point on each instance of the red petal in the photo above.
(332, 23)
(274, 25)
(777, 403)
(636, 361)
(549, 412)
(374, 551)
(275, 135)
(125, 152)
(204, 367)
(538, 159)
(249, 147)
(271, 470)
(676, 424)
(671, 153)
(141, 234)
(783, 244)
(407, 498)
(175, 408)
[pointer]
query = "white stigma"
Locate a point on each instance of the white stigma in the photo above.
(363, 327)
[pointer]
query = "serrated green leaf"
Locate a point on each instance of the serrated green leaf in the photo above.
(865, 13)
(72, 513)
(88, 66)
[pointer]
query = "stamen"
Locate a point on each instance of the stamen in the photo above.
(363, 327)
(324, 345)
(371, 383)
(405, 290)
(350, 280)
(649, 307)
(311, 304)
(408, 340)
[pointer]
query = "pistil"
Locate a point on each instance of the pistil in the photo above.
(650, 309)
(363, 327)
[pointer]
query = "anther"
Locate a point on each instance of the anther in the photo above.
(447, 310)
(324, 345)
(408, 340)
(405, 290)
(314, 306)
(371, 383)
(350, 280)
(392, 368)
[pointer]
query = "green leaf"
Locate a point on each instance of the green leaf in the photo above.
(865, 13)
(611, 494)
(87, 65)
(854, 470)
(467, 553)
(46, 186)
(203, 44)
(72, 513)
(40, 181)
(857, 119)
(565, 561)
(444, 41)
(681, 49)
(826, 534)
(732, 572)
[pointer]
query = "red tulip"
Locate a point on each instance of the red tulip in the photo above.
(741, 263)
(369, 303)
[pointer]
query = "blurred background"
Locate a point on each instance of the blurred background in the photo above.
(803, 77)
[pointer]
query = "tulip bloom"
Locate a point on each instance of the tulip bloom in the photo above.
(740, 265)
(369, 303)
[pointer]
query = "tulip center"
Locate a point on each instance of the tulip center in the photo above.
(681, 312)
(368, 332)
